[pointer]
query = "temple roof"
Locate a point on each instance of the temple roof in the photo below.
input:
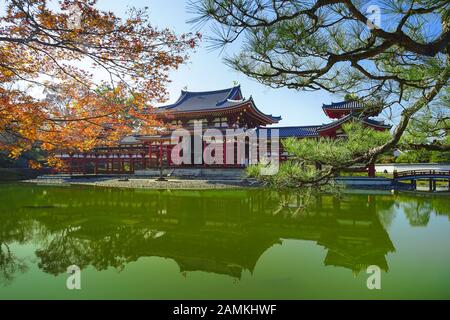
(337, 110)
(295, 131)
(206, 100)
(353, 116)
(314, 131)
(211, 101)
(344, 105)
(377, 123)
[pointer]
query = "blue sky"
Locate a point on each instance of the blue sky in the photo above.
(206, 70)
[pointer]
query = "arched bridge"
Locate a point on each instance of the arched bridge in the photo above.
(421, 174)
(431, 175)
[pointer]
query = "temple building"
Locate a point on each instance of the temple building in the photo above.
(221, 110)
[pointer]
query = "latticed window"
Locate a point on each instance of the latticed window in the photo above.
(220, 122)
(197, 121)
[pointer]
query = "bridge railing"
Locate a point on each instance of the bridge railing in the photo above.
(411, 173)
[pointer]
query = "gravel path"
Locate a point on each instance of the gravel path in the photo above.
(151, 183)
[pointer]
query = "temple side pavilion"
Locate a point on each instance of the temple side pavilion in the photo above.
(220, 109)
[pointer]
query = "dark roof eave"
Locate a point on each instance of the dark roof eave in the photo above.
(159, 111)
(350, 117)
(270, 119)
(383, 126)
(343, 105)
(296, 131)
(230, 92)
(273, 119)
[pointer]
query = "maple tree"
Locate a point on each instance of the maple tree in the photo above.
(73, 77)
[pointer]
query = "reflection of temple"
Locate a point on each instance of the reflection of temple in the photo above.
(349, 229)
(224, 232)
(357, 241)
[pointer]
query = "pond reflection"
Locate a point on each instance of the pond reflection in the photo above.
(222, 232)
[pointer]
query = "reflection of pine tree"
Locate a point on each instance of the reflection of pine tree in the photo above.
(441, 206)
(14, 228)
(70, 247)
(418, 212)
(386, 210)
(10, 265)
(63, 251)
(419, 208)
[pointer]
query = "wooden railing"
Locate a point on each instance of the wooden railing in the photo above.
(418, 173)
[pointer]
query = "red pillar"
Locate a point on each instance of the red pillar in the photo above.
(112, 163)
(150, 154)
(70, 164)
(160, 153)
(131, 163)
(122, 164)
(224, 152)
(144, 164)
(169, 158)
(203, 154)
(96, 165)
(111, 169)
(75, 165)
(237, 153)
(84, 160)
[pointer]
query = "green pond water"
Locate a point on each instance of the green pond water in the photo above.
(220, 244)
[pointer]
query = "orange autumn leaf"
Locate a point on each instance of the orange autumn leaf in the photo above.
(34, 165)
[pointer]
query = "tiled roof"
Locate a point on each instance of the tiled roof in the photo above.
(355, 117)
(297, 132)
(351, 105)
(377, 123)
(210, 101)
(205, 100)
(337, 122)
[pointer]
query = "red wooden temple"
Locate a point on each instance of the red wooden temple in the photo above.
(222, 110)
